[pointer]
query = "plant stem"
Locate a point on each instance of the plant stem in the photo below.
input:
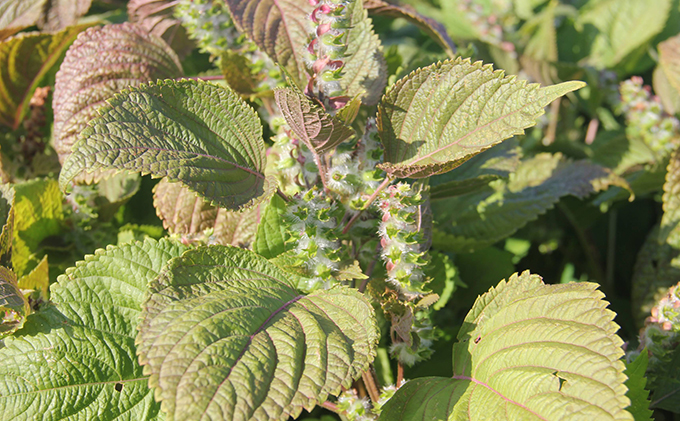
(588, 249)
(370, 383)
(331, 407)
(400, 374)
(369, 271)
(282, 195)
(368, 203)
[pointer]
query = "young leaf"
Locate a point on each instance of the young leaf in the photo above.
(76, 360)
(526, 351)
(431, 27)
(638, 395)
(99, 64)
(25, 60)
(440, 116)
(279, 28)
(38, 215)
(16, 15)
(271, 231)
(7, 221)
(183, 212)
(623, 25)
(310, 122)
(13, 305)
(189, 131)
(365, 70)
(36, 283)
(483, 217)
(225, 335)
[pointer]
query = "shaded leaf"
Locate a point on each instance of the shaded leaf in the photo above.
(189, 131)
(438, 117)
(13, 305)
(310, 122)
(431, 27)
(24, 61)
(183, 212)
(271, 231)
(99, 64)
(221, 318)
(35, 284)
(236, 70)
(623, 26)
(638, 395)
(478, 171)
(59, 14)
(671, 198)
(38, 215)
(665, 384)
(76, 360)
(475, 220)
(280, 28)
(445, 278)
(526, 351)
(7, 221)
(156, 17)
(16, 15)
(365, 70)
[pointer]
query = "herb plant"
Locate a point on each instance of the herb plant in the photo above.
(273, 210)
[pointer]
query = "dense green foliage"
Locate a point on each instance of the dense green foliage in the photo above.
(337, 210)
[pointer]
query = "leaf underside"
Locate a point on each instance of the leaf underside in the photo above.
(77, 357)
(310, 122)
(225, 335)
(193, 132)
(99, 64)
(437, 117)
(183, 212)
(16, 15)
(527, 351)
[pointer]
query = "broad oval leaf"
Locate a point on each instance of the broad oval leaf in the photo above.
(25, 59)
(527, 351)
(194, 132)
(225, 335)
(100, 63)
(438, 117)
(76, 360)
(280, 28)
(310, 122)
(185, 213)
(271, 231)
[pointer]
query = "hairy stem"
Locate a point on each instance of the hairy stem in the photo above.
(371, 385)
(400, 374)
(331, 407)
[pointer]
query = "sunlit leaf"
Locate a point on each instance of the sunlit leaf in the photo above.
(271, 231)
(636, 382)
(226, 335)
(438, 117)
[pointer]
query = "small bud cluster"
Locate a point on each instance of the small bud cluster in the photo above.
(327, 50)
(661, 333)
(492, 23)
(284, 160)
(353, 175)
(209, 23)
(356, 409)
(415, 344)
(401, 238)
(646, 119)
(313, 219)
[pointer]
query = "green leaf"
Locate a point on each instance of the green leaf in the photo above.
(13, 305)
(280, 28)
(76, 360)
(440, 116)
(623, 26)
(445, 278)
(475, 220)
(16, 15)
(310, 122)
(225, 335)
(526, 351)
(271, 231)
(638, 395)
(668, 95)
(183, 212)
(36, 283)
(98, 65)
(665, 383)
(25, 60)
(667, 74)
(365, 70)
(431, 27)
(236, 70)
(38, 215)
(478, 171)
(7, 221)
(189, 131)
